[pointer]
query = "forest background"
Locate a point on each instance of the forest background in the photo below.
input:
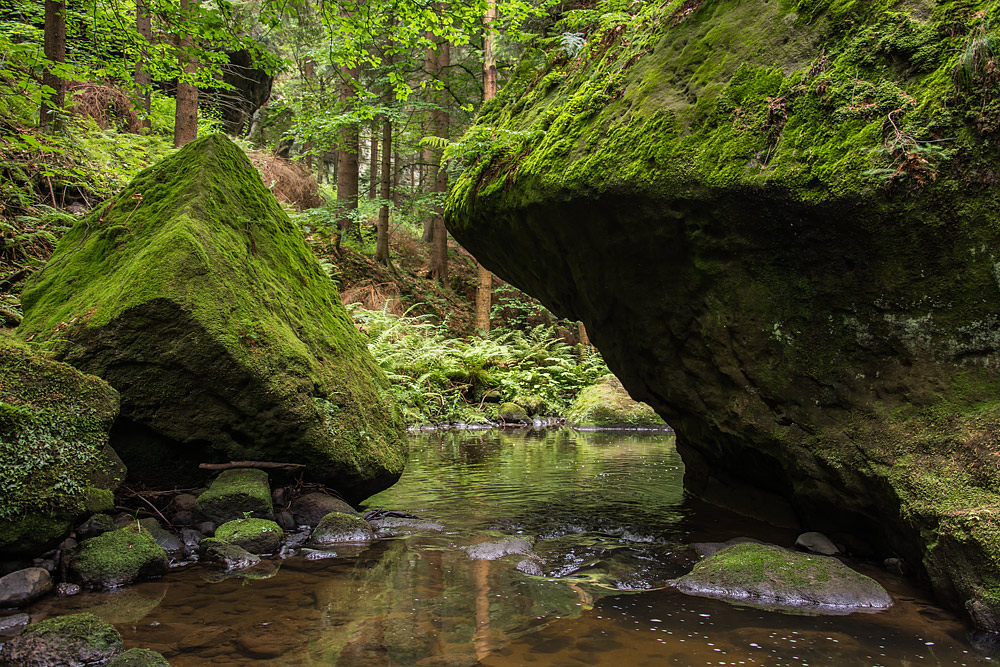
(350, 111)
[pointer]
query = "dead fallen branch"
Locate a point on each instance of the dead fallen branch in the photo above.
(266, 465)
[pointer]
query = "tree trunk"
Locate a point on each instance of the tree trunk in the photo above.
(143, 80)
(439, 119)
(373, 167)
(484, 282)
(347, 162)
(382, 234)
(395, 180)
(55, 52)
(186, 116)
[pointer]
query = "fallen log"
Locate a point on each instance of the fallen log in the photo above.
(267, 465)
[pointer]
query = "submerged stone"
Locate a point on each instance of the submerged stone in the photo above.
(237, 493)
(772, 577)
(196, 297)
(117, 558)
(499, 548)
(608, 405)
(75, 640)
(729, 199)
(55, 462)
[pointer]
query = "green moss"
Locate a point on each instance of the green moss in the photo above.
(608, 405)
(86, 629)
(139, 657)
(237, 493)
(118, 558)
(132, 294)
(55, 463)
(258, 536)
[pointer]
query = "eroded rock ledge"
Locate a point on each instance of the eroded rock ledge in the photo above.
(747, 207)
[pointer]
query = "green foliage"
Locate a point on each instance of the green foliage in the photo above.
(437, 378)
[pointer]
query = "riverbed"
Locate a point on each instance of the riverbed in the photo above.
(609, 523)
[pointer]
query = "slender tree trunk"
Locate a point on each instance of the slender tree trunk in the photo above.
(347, 161)
(186, 116)
(55, 52)
(439, 118)
(143, 80)
(382, 234)
(484, 281)
(373, 180)
(428, 172)
(395, 180)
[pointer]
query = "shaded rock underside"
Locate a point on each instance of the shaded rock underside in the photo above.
(778, 223)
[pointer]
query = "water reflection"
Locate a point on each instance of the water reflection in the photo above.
(603, 519)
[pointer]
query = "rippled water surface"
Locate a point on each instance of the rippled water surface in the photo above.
(609, 523)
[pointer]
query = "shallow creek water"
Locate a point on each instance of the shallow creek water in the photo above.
(611, 521)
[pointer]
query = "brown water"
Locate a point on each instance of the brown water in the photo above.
(611, 521)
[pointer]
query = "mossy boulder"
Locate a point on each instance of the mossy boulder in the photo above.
(139, 657)
(195, 296)
(235, 494)
(258, 536)
(337, 528)
(780, 224)
(230, 556)
(533, 404)
(55, 462)
(512, 413)
(769, 576)
(608, 405)
(74, 640)
(117, 558)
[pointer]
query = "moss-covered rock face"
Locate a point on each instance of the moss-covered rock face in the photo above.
(74, 640)
(608, 405)
(117, 558)
(194, 295)
(772, 577)
(139, 657)
(236, 494)
(258, 536)
(779, 222)
(55, 462)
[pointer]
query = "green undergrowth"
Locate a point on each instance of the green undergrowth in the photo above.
(438, 378)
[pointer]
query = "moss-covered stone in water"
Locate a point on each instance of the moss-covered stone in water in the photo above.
(73, 640)
(230, 556)
(117, 558)
(512, 413)
(779, 222)
(55, 462)
(765, 575)
(236, 494)
(608, 405)
(194, 295)
(336, 528)
(258, 536)
(139, 657)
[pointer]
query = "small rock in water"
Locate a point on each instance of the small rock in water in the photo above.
(816, 543)
(229, 556)
(317, 554)
(191, 537)
(185, 502)
(391, 526)
(11, 623)
(310, 509)
(285, 520)
(74, 640)
(529, 566)
(139, 657)
(24, 586)
(499, 549)
(337, 527)
(66, 589)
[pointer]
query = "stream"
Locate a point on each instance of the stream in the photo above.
(610, 524)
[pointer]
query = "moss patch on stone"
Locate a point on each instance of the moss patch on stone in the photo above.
(139, 657)
(117, 558)
(258, 536)
(55, 462)
(761, 574)
(194, 294)
(608, 405)
(337, 527)
(235, 494)
(78, 639)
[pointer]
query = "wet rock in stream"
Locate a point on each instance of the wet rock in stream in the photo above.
(230, 556)
(24, 586)
(499, 548)
(338, 527)
(771, 577)
(74, 640)
(310, 509)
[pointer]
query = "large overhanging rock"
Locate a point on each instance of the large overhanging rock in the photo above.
(782, 232)
(195, 297)
(55, 463)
